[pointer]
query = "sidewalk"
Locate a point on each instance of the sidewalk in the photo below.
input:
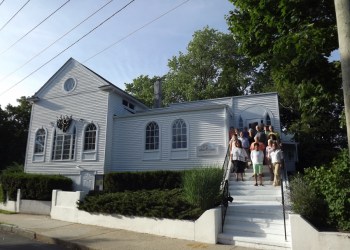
(86, 237)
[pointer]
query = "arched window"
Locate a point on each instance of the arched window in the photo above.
(64, 145)
(179, 134)
(39, 141)
(90, 137)
(240, 123)
(152, 136)
(268, 119)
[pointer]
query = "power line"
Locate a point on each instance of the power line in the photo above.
(2, 2)
(68, 47)
(14, 15)
(143, 26)
(34, 27)
(65, 34)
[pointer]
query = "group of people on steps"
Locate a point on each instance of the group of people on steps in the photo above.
(260, 146)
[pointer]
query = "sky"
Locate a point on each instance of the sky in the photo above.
(122, 41)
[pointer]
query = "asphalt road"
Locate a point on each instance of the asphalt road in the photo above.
(11, 241)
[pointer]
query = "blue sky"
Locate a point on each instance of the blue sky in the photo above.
(137, 50)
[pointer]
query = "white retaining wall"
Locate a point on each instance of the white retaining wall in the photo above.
(64, 208)
(305, 236)
(26, 206)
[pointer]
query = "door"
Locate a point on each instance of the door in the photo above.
(87, 182)
(251, 123)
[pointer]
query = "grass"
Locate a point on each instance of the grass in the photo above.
(6, 212)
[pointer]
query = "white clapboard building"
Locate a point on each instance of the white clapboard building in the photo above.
(82, 126)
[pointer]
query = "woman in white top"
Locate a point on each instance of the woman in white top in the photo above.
(277, 162)
(238, 157)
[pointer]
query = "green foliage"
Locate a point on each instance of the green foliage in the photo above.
(121, 181)
(147, 203)
(202, 186)
(333, 184)
(210, 68)
(290, 42)
(307, 202)
(142, 88)
(2, 196)
(14, 124)
(322, 195)
(157, 194)
(33, 186)
(14, 168)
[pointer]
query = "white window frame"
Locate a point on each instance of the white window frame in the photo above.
(181, 134)
(91, 154)
(72, 144)
(155, 138)
(39, 156)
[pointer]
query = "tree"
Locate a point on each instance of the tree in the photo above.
(142, 89)
(210, 68)
(342, 8)
(291, 43)
(14, 123)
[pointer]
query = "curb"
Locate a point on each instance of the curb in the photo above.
(42, 238)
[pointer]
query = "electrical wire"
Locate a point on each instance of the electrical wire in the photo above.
(99, 25)
(130, 34)
(49, 46)
(2, 2)
(34, 28)
(14, 15)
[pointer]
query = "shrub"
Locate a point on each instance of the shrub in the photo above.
(306, 202)
(148, 203)
(333, 184)
(122, 181)
(33, 186)
(202, 186)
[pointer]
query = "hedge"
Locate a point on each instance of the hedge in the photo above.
(33, 186)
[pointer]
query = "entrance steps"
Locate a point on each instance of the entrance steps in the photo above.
(255, 217)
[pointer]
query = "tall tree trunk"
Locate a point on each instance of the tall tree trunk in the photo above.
(342, 10)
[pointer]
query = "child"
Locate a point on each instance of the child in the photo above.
(257, 158)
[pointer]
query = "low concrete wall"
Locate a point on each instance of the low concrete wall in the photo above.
(64, 208)
(35, 207)
(8, 206)
(27, 206)
(305, 236)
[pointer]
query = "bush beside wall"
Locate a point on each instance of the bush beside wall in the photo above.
(132, 181)
(33, 186)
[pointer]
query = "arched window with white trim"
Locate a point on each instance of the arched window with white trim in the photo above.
(240, 123)
(268, 119)
(90, 135)
(152, 136)
(179, 134)
(40, 137)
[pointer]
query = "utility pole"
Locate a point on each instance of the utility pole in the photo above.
(342, 11)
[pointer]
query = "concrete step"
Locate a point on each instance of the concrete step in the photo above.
(271, 243)
(258, 228)
(263, 207)
(255, 218)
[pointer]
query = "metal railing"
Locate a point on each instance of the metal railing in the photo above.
(284, 181)
(226, 197)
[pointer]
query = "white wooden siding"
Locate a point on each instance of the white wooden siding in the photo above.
(86, 104)
(203, 126)
(268, 101)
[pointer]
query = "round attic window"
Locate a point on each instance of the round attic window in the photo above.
(69, 84)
